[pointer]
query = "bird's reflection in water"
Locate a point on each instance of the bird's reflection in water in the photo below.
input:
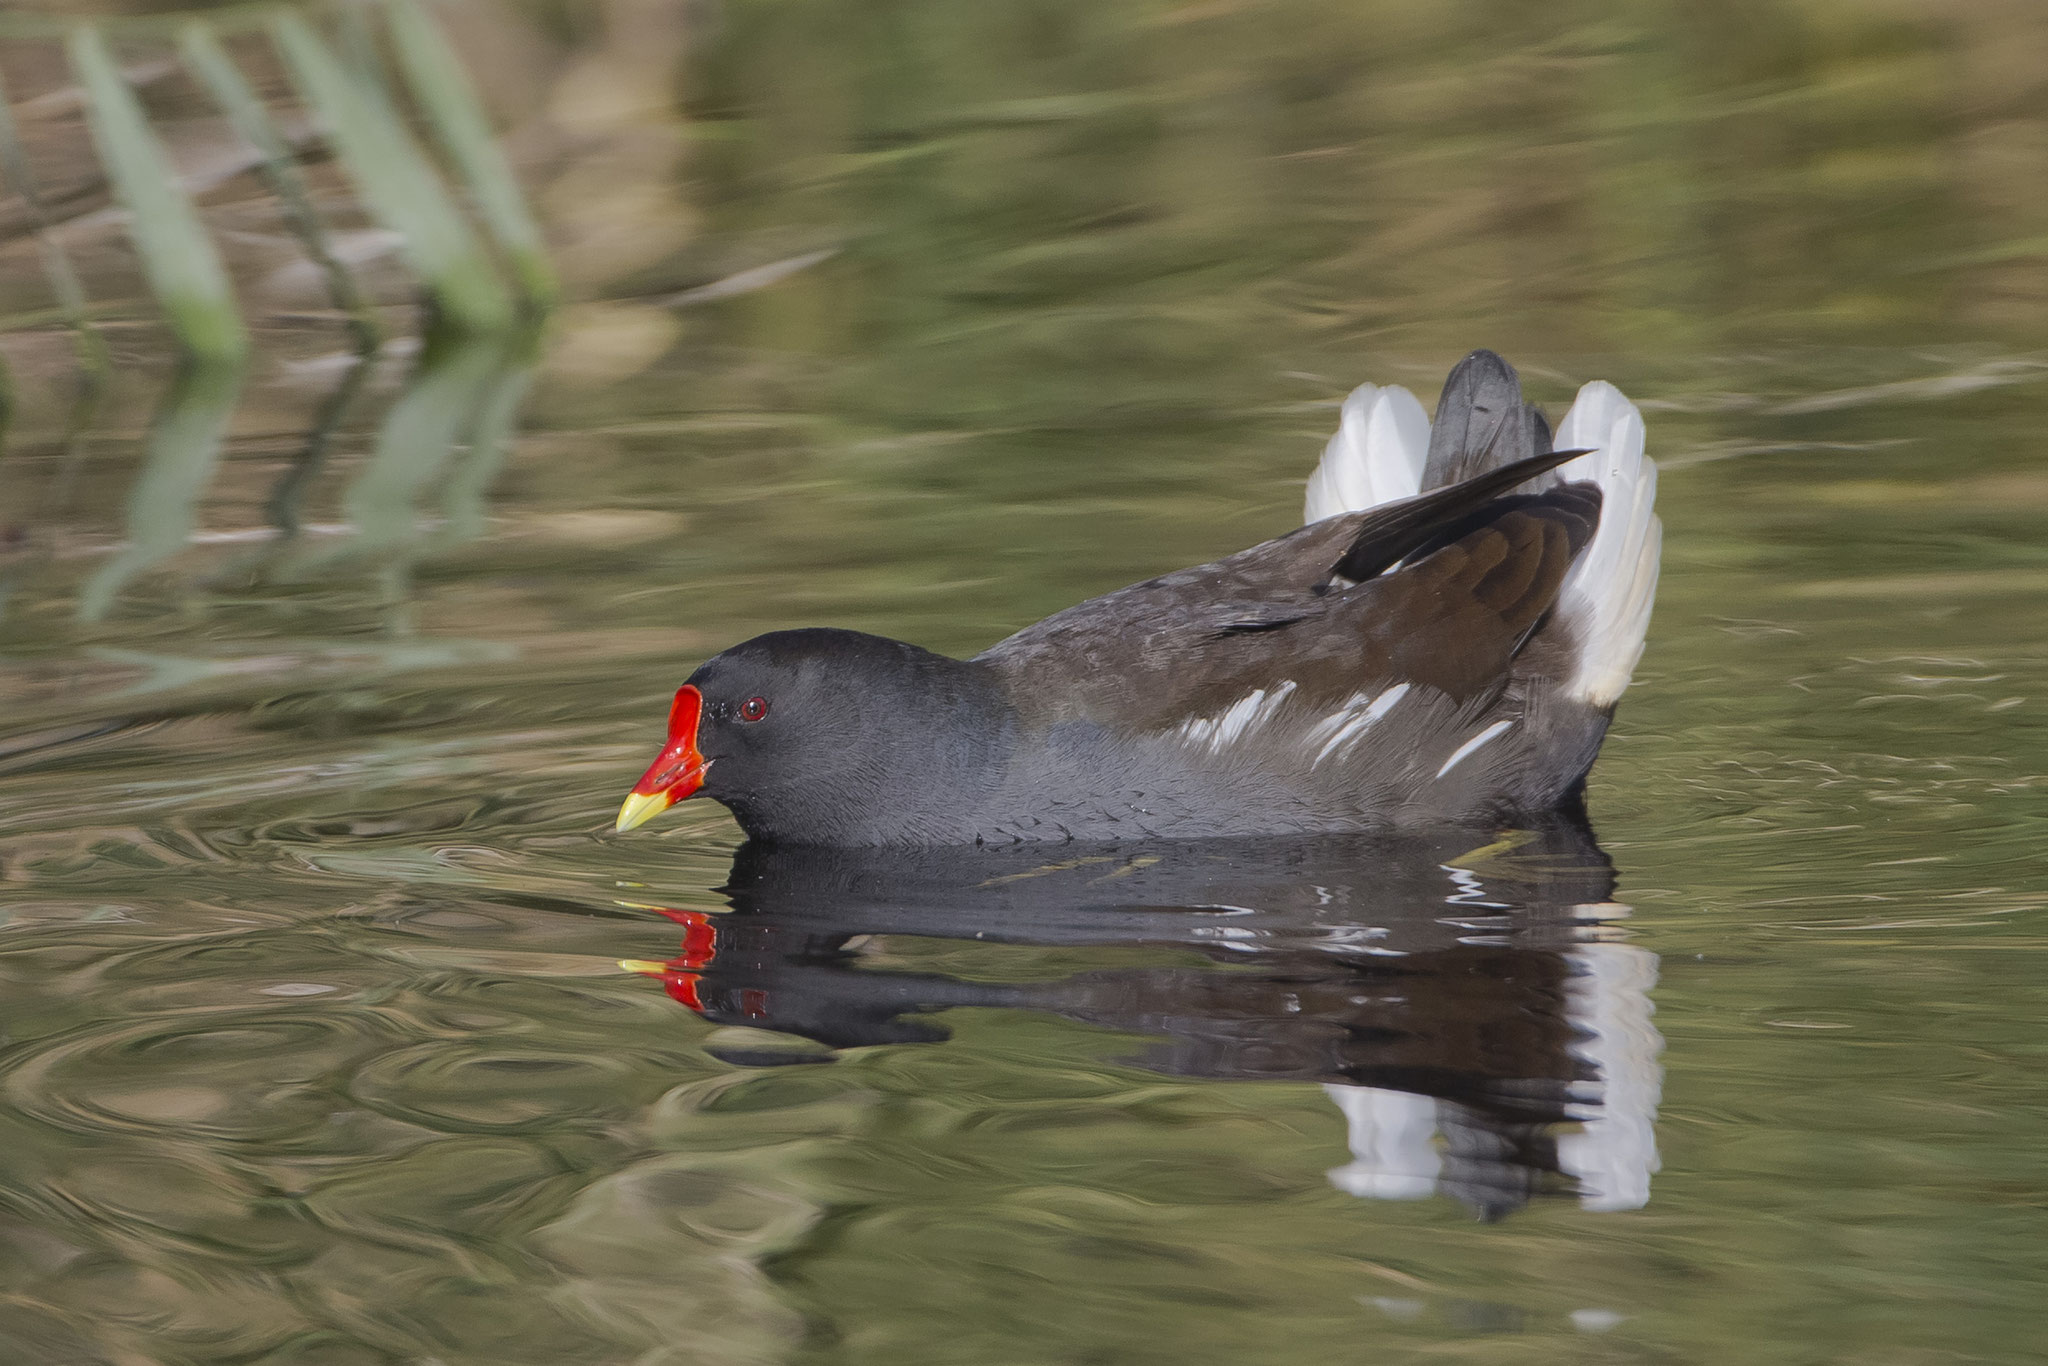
(1463, 997)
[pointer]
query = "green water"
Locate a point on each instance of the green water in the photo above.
(315, 1047)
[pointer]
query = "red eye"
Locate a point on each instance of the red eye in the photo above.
(753, 709)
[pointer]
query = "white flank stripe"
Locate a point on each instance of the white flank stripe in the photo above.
(1474, 743)
(1337, 720)
(1245, 715)
(1357, 717)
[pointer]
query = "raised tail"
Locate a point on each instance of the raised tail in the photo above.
(1482, 423)
(1386, 449)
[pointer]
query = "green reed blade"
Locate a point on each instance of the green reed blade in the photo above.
(442, 86)
(178, 258)
(420, 432)
(356, 45)
(396, 181)
(208, 60)
(492, 431)
(177, 464)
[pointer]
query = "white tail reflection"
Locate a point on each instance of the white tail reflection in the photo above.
(1614, 1154)
(1407, 1147)
(1393, 1143)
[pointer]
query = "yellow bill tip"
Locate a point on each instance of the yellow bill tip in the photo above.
(646, 967)
(642, 807)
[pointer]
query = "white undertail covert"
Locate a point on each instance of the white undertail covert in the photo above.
(1376, 456)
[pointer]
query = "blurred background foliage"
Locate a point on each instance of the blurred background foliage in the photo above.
(1005, 225)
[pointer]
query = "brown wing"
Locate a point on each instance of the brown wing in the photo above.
(1482, 570)
(1455, 618)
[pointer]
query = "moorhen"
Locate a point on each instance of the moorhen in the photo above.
(1444, 640)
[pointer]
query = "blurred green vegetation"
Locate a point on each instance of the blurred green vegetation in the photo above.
(328, 74)
(1076, 213)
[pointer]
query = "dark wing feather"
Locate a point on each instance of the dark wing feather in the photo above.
(1191, 643)
(1390, 533)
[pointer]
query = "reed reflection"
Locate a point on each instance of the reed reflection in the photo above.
(1462, 996)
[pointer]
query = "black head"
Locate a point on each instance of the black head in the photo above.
(821, 736)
